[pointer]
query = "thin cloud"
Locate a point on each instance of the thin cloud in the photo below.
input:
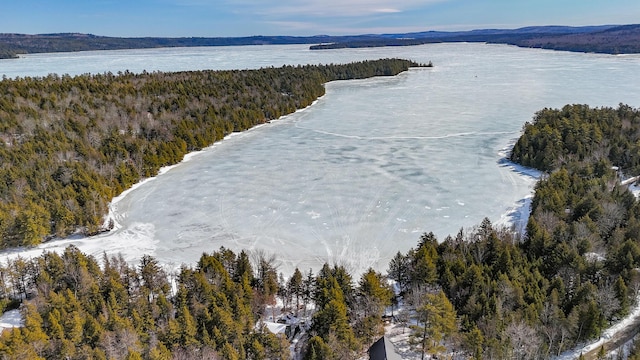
(332, 29)
(387, 11)
(294, 25)
(331, 8)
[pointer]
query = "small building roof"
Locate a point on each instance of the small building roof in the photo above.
(383, 350)
(276, 328)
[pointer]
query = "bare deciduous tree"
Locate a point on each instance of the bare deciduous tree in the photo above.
(525, 341)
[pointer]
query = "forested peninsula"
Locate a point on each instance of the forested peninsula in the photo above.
(68, 145)
(485, 292)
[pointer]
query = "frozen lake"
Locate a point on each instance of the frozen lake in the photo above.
(363, 172)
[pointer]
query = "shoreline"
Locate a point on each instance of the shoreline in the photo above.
(113, 204)
(129, 243)
(517, 216)
(87, 243)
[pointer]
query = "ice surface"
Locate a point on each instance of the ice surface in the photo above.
(362, 173)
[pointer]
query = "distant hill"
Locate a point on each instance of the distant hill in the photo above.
(616, 40)
(611, 39)
(12, 45)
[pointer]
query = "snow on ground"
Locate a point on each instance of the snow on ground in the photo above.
(397, 333)
(623, 351)
(518, 215)
(11, 319)
(622, 325)
(635, 189)
(399, 337)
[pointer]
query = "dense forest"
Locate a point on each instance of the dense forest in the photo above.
(68, 145)
(486, 292)
(79, 309)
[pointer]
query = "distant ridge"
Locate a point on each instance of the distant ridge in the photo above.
(12, 45)
(610, 39)
(615, 40)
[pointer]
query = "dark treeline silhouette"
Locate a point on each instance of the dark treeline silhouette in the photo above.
(610, 39)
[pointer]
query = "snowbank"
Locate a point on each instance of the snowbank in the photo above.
(621, 326)
(11, 319)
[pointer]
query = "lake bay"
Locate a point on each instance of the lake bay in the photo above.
(363, 172)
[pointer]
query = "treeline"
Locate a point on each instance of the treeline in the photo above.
(608, 39)
(584, 227)
(578, 133)
(68, 145)
(7, 53)
(575, 270)
(374, 42)
(481, 294)
(81, 310)
(616, 40)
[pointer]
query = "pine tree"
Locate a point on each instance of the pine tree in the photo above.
(399, 270)
(621, 291)
(188, 330)
(374, 294)
(474, 341)
(32, 331)
(423, 262)
(437, 318)
(317, 349)
(295, 286)
(133, 355)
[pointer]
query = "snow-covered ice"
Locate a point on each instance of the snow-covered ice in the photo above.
(360, 174)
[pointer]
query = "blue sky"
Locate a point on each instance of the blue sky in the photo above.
(176, 18)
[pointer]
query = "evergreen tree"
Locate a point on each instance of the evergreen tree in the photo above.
(374, 294)
(437, 319)
(399, 270)
(296, 287)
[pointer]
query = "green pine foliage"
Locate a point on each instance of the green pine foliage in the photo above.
(436, 318)
(581, 133)
(121, 311)
(572, 273)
